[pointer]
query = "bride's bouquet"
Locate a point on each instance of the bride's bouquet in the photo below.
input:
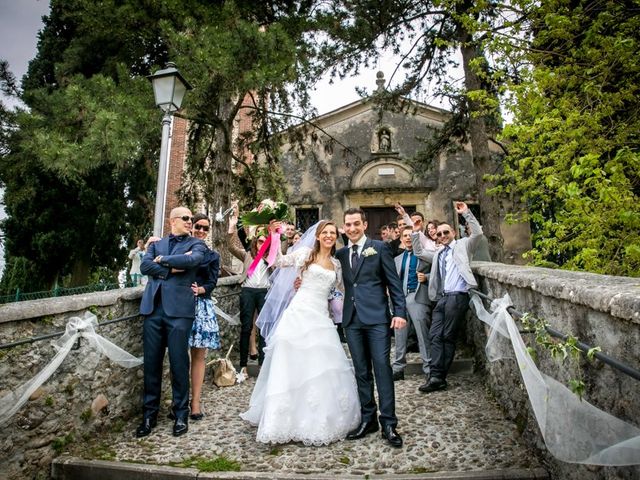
(266, 211)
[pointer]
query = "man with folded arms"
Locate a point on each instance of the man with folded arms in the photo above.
(168, 305)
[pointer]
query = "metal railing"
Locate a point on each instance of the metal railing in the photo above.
(20, 296)
(583, 347)
(47, 336)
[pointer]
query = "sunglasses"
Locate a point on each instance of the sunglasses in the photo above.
(204, 228)
(443, 232)
(184, 218)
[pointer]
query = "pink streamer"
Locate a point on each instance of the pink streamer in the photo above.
(272, 242)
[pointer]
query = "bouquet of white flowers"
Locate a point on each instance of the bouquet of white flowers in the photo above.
(266, 211)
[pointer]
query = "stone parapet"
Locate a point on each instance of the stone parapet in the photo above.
(88, 394)
(617, 296)
(598, 310)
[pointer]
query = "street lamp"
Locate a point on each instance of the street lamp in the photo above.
(169, 87)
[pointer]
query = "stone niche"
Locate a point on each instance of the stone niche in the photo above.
(383, 172)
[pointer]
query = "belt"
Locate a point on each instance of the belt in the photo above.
(449, 294)
(411, 290)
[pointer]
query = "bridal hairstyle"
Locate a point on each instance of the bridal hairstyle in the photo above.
(316, 245)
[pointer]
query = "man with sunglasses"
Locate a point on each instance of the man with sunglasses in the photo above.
(168, 305)
(449, 283)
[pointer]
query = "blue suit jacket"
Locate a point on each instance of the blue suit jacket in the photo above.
(174, 288)
(366, 288)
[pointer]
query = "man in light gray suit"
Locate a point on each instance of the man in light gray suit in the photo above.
(418, 306)
(449, 283)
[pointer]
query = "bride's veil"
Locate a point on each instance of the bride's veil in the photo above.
(281, 291)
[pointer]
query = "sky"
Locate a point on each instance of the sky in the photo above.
(20, 21)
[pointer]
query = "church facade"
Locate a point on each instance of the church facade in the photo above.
(357, 156)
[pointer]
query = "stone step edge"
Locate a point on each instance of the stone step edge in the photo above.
(73, 468)
(459, 365)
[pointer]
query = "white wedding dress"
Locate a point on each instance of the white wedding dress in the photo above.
(306, 391)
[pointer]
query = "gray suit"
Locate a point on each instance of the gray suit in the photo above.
(418, 309)
(450, 308)
(462, 253)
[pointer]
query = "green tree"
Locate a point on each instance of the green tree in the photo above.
(428, 36)
(79, 165)
(574, 153)
(244, 58)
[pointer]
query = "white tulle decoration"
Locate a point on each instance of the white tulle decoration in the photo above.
(574, 431)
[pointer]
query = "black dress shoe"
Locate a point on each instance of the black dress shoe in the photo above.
(390, 435)
(363, 429)
(146, 426)
(180, 427)
(433, 385)
(399, 375)
(196, 416)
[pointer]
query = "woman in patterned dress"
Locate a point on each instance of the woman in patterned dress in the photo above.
(204, 333)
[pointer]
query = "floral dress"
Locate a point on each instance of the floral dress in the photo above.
(205, 332)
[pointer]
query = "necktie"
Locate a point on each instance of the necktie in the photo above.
(442, 260)
(403, 268)
(412, 276)
(354, 257)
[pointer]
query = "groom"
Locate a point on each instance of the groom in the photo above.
(369, 271)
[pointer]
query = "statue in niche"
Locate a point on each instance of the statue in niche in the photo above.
(384, 140)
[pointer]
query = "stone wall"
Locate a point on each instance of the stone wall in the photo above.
(87, 394)
(600, 311)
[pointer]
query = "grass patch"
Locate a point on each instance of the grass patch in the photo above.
(60, 443)
(344, 460)
(422, 470)
(102, 452)
(48, 401)
(275, 451)
(219, 464)
(118, 425)
(86, 415)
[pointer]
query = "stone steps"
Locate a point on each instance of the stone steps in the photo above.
(72, 468)
(458, 433)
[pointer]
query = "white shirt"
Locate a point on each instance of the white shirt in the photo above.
(453, 281)
(360, 244)
(259, 278)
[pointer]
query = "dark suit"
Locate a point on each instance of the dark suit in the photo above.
(169, 306)
(366, 319)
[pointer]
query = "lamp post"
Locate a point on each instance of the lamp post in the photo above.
(169, 87)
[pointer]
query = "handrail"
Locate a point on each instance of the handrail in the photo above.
(624, 368)
(108, 322)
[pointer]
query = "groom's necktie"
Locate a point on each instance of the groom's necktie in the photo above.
(354, 257)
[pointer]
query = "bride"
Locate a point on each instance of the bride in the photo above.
(306, 391)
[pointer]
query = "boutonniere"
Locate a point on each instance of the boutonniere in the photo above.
(367, 252)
